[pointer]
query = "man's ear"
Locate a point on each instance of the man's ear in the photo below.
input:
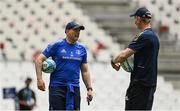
(139, 18)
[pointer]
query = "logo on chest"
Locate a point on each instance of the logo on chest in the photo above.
(71, 55)
(78, 52)
(63, 51)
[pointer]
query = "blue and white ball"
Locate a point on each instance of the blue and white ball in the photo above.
(48, 66)
(127, 66)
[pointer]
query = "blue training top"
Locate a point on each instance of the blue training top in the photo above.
(146, 48)
(68, 59)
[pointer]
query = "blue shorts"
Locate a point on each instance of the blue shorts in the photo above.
(57, 98)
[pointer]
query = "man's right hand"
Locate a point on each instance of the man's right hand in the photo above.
(41, 85)
(115, 66)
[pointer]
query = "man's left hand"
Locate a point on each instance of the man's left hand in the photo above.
(89, 96)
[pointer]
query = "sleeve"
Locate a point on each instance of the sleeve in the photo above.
(84, 58)
(34, 95)
(50, 50)
(140, 43)
(20, 95)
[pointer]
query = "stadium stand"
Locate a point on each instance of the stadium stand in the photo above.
(27, 26)
(114, 18)
(24, 22)
(109, 88)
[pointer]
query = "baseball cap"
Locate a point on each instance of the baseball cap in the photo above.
(74, 25)
(142, 12)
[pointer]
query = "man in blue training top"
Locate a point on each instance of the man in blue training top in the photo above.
(70, 58)
(145, 47)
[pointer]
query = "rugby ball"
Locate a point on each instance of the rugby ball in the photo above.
(127, 66)
(48, 66)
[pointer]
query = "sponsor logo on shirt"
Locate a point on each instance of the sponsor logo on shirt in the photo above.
(63, 51)
(72, 58)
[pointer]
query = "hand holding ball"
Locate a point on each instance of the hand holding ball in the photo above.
(48, 66)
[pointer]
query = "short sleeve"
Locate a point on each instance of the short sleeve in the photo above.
(20, 95)
(84, 58)
(34, 96)
(140, 43)
(50, 50)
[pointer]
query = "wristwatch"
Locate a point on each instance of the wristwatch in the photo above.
(89, 88)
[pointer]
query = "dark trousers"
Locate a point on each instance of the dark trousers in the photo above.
(139, 97)
(57, 98)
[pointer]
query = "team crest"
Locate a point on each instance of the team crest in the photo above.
(78, 52)
(72, 54)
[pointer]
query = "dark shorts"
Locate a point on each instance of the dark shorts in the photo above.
(57, 98)
(139, 97)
